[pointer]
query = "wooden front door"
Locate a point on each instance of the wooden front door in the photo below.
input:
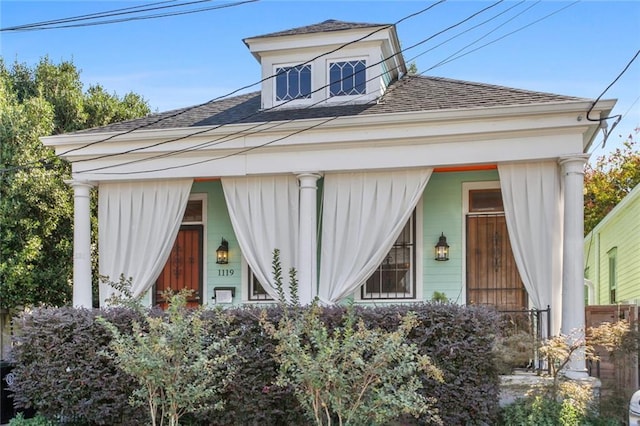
(183, 269)
(492, 274)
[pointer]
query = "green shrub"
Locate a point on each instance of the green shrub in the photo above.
(38, 420)
(353, 374)
(458, 339)
(179, 367)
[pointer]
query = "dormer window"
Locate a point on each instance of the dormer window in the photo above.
(348, 78)
(293, 83)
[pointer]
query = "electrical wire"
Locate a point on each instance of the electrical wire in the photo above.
(618, 117)
(291, 100)
(233, 92)
(472, 28)
(228, 138)
(509, 33)
(54, 24)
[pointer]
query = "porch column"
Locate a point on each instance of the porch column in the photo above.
(573, 320)
(81, 244)
(307, 238)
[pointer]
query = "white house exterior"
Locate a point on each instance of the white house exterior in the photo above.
(353, 170)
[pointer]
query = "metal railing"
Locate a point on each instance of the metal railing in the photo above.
(536, 323)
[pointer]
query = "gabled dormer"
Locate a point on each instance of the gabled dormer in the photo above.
(327, 63)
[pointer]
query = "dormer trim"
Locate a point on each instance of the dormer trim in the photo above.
(318, 47)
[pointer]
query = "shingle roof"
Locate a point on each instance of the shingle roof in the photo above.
(328, 25)
(411, 93)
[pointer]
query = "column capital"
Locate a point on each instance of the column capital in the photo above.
(308, 179)
(573, 163)
(79, 183)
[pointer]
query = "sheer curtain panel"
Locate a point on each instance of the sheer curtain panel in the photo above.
(137, 226)
(264, 215)
(363, 214)
(533, 209)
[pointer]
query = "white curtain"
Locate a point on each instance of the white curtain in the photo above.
(264, 215)
(363, 215)
(533, 208)
(137, 225)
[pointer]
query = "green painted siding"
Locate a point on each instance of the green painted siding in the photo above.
(219, 226)
(619, 232)
(443, 212)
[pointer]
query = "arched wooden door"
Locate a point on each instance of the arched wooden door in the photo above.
(183, 269)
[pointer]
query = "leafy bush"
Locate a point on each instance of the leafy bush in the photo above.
(180, 368)
(356, 375)
(61, 372)
(38, 420)
(458, 339)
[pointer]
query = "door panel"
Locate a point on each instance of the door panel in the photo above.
(183, 269)
(492, 274)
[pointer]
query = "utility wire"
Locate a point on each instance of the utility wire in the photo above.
(211, 143)
(234, 136)
(472, 28)
(62, 23)
(233, 92)
(618, 117)
(291, 100)
(506, 35)
(86, 16)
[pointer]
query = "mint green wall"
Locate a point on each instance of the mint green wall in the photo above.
(442, 212)
(620, 230)
(218, 227)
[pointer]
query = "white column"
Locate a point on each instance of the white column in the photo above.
(307, 238)
(81, 244)
(573, 320)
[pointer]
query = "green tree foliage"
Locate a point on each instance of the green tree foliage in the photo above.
(36, 206)
(179, 367)
(609, 180)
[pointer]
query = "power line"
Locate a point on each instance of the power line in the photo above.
(233, 92)
(57, 24)
(507, 34)
(618, 117)
(474, 27)
(226, 138)
(236, 135)
(185, 110)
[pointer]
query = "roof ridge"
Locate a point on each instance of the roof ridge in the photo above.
(495, 86)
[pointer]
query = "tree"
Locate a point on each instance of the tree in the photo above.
(36, 206)
(609, 180)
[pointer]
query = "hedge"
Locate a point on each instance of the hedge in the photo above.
(62, 374)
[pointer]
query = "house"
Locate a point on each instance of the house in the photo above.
(612, 255)
(357, 172)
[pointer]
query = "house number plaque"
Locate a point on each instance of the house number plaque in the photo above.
(225, 272)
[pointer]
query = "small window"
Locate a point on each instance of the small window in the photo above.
(613, 275)
(347, 78)
(293, 83)
(256, 290)
(193, 212)
(395, 277)
(485, 200)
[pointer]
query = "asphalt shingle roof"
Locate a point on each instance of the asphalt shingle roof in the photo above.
(410, 94)
(328, 25)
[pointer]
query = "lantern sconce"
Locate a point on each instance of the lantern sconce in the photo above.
(442, 249)
(222, 253)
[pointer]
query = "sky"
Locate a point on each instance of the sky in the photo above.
(575, 48)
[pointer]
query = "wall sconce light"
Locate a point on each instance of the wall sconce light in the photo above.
(442, 248)
(222, 254)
